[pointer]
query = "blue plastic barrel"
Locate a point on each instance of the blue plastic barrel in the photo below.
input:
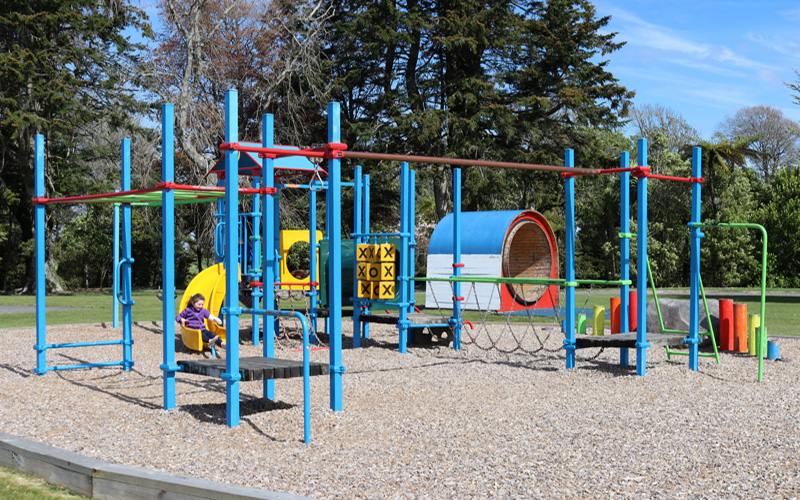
(773, 350)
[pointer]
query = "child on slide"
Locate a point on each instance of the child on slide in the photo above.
(193, 315)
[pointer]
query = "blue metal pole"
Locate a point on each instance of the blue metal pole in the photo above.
(456, 257)
(39, 229)
(127, 355)
(366, 230)
(357, 201)
(625, 251)
(115, 285)
(402, 278)
(569, 260)
(232, 375)
(312, 247)
(694, 299)
(256, 293)
(334, 230)
(412, 240)
(641, 265)
(169, 367)
(269, 204)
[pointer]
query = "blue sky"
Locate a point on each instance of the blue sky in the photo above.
(707, 59)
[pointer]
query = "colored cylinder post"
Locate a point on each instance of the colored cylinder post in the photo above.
(773, 350)
(740, 327)
(599, 320)
(633, 313)
(581, 321)
(753, 322)
(726, 324)
(615, 305)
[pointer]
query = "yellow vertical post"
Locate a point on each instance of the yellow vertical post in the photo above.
(754, 322)
(599, 320)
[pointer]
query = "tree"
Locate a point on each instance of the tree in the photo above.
(649, 119)
(780, 215)
(65, 65)
(774, 137)
(482, 80)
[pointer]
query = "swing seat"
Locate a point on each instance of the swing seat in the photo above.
(193, 339)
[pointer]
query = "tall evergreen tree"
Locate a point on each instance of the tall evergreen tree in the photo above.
(63, 65)
(491, 80)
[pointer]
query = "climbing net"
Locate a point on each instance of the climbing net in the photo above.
(506, 333)
(524, 331)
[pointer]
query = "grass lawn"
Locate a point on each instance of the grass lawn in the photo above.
(783, 313)
(22, 487)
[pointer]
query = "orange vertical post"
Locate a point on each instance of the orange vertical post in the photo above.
(726, 324)
(633, 312)
(615, 301)
(740, 327)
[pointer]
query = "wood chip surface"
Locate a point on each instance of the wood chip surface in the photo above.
(433, 423)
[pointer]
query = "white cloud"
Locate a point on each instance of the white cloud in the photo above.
(640, 33)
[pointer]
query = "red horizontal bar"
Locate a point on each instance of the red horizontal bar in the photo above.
(333, 150)
(256, 283)
(283, 283)
(458, 265)
(458, 299)
(679, 179)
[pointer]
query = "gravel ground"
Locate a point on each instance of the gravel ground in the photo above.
(434, 423)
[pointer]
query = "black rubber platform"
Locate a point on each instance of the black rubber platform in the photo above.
(414, 318)
(253, 368)
(627, 340)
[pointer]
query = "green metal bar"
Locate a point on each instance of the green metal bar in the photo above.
(708, 318)
(523, 281)
(761, 332)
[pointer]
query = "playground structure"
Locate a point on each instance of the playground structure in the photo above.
(264, 195)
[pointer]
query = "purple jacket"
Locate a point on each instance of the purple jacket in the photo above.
(194, 318)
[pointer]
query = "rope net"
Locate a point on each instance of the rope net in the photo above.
(525, 331)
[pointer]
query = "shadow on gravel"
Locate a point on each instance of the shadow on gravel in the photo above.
(16, 371)
(215, 413)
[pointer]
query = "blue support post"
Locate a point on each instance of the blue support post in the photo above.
(269, 205)
(312, 247)
(334, 230)
(641, 264)
(625, 251)
(412, 240)
(402, 276)
(232, 375)
(696, 234)
(39, 229)
(115, 282)
(456, 258)
(357, 201)
(256, 293)
(365, 327)
(127, 355)
(168, 254)
(569, 260)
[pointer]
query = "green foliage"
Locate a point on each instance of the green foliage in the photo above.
(64, 67)
(780, 215)
(22, 487)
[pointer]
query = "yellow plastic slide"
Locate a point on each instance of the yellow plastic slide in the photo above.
(211, 283)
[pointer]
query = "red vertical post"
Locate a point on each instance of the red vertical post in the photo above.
(726, 324)
(633, 312)
(740, 327)
(615, 301)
